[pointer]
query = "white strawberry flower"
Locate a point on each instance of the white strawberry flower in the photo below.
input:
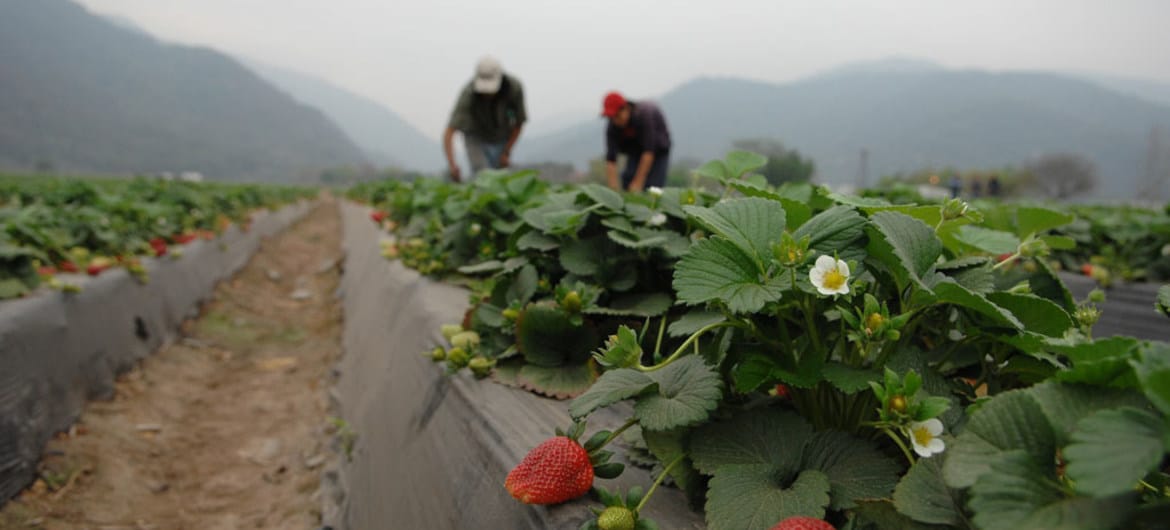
(830, 276)
(657, 219)
(925, 437)
(654, 190)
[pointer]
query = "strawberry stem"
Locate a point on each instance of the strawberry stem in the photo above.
(658, 481)
(613, 435)
(682, 349)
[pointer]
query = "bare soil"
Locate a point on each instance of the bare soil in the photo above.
(225, 429)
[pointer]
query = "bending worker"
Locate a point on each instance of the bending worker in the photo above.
(489, 113)
(637, 130)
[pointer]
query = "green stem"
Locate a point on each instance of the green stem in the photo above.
(811, 330)
(613, 435)
(661, 331)
(901, 445)
(1005, 262)
(657, 481)
(683, 348)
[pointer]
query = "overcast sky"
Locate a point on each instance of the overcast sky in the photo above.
(414, 56)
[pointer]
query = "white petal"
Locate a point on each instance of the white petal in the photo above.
(826, 263)
(843, 267)
(934, 426)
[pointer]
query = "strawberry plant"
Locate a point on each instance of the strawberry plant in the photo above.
(75, 225)
(796, 356)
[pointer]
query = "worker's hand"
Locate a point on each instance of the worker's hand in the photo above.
(505, 159)
(454, 169)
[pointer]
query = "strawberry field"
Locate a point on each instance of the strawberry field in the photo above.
(794, 358)
(51, 226)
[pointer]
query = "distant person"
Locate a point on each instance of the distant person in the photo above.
(976, 186)
(490, 113)
(993, 189)
(637, 130)
(956, 186)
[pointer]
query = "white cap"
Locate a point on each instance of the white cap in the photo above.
(488, 75)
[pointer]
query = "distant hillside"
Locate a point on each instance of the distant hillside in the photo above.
(386, 138)
(909, 117)
(81, 93)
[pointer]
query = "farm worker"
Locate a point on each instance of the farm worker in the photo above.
(490, 113)
(637, 130)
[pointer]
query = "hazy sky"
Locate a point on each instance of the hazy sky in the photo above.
(414, 56)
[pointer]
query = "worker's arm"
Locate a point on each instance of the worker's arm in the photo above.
(451, 165)
(506, 156)
(611, 175)
(644, 165)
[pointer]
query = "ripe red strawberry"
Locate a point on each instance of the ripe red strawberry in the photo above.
(94, 269)
(802, 523)
(378, 216)
(556, 471)
(67, 266)
(1087, 269)
(159, 245)
(782, 390)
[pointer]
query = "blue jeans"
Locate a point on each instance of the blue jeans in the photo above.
(656, 176)
(483, 155)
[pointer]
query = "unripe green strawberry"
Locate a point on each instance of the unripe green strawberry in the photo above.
(466, 340)
(510, 314)
(450, 330)
(802, 523)
(617, 518)
(555, 471)
(898, 403)
(572, 302)
(438, 354)
(481, 366)
(458, 357)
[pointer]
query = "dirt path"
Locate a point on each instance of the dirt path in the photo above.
(227, 428)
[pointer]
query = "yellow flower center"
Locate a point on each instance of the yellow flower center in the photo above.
(834, 279)
(792, 255)
(922, 436)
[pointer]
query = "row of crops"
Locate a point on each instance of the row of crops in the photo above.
(74, 225)
(790, 352)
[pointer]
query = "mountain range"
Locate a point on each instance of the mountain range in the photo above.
(81, 93)
(87, 93)
(906, 116)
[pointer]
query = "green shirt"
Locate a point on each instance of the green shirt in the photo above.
(490, 118)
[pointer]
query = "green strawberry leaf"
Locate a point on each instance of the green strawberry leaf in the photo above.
(832, 230)
(1019, 492)
(1036, 314)
(923, 496)
(716, 270)
(740, 163)
(583, 257)
(522, 288)
(640, 238)
(637, 305)
(881, 514)
(762, 438)
(547, 337)
(906, 246)
(692, 322)
(752, 224)
(559, 382)
(668, 445)
(1153, 372)
(856, 469)
(848, 379)
(482, 267)
(1033, 220)
(754, 370)
(988, 240)
(537, 241)
(1112, 450)
(1103, 362)
(1163, 303)
(688, 391)
(1067, 404)
(1012, 421)
(755, 498)
(950, 292)
(604, 196)
(613, 386)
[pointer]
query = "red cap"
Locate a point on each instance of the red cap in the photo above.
(614, 102)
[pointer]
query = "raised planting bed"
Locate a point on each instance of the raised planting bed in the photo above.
(430, 450)
(59, 349)
(1128, 309)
